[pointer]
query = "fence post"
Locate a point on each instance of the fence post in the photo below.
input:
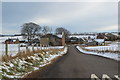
(40, 46)
(18, 47)
(37, 46)
(26, 48)
(33, 47)
(6, 49)
(43, 47)
(47, 46)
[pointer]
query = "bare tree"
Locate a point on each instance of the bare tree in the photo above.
(45, 29)
(30, 30)
(59, 30)
(50, 30)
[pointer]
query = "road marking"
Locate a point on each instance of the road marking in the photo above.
(94, 77)
(105, 76)
(116, 76)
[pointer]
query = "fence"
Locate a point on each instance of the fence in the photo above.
(102, 49)
(13, 49)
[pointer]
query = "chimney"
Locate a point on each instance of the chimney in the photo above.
(63, 39)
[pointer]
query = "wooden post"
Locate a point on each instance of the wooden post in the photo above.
(46, 46)
(40, 46)
(43, 47)
(18, 47)
(26, 48)
(37, 46)
(6, 49)
(33, 47)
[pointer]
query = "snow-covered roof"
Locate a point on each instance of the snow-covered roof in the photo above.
(59, 35)
(83, 39)
(99, 40)
(90, 40)
(83, 36)
(116, 34)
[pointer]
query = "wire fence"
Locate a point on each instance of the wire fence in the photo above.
(13, 49)
(103, 49)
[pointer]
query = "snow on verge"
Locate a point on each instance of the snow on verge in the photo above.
(20, 67)
(114, 56)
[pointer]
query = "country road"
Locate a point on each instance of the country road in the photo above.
(78, 65)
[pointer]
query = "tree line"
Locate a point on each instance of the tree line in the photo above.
(30, 30)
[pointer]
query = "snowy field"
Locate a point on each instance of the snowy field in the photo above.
(2, 39)
(13, 48)
(110, 47)
(114, 56)
(84, 36)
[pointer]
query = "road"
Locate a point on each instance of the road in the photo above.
(79, 65)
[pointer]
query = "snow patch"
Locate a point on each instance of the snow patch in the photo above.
(114, 56)
(18, 68)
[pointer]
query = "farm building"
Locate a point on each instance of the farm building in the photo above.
(75, 40)
(50, 39)
(36, 40)
(95, 42)
(100, 41)
(112, 37)
(12, 41)
(91, 42)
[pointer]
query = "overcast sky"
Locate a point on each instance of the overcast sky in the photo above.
(75, 16)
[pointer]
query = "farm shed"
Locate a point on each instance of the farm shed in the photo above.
(95, 42)
(100, 41)
(12, 41)
(50, 39)
(91, 43)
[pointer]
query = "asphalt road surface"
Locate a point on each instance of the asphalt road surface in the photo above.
(79, 65)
